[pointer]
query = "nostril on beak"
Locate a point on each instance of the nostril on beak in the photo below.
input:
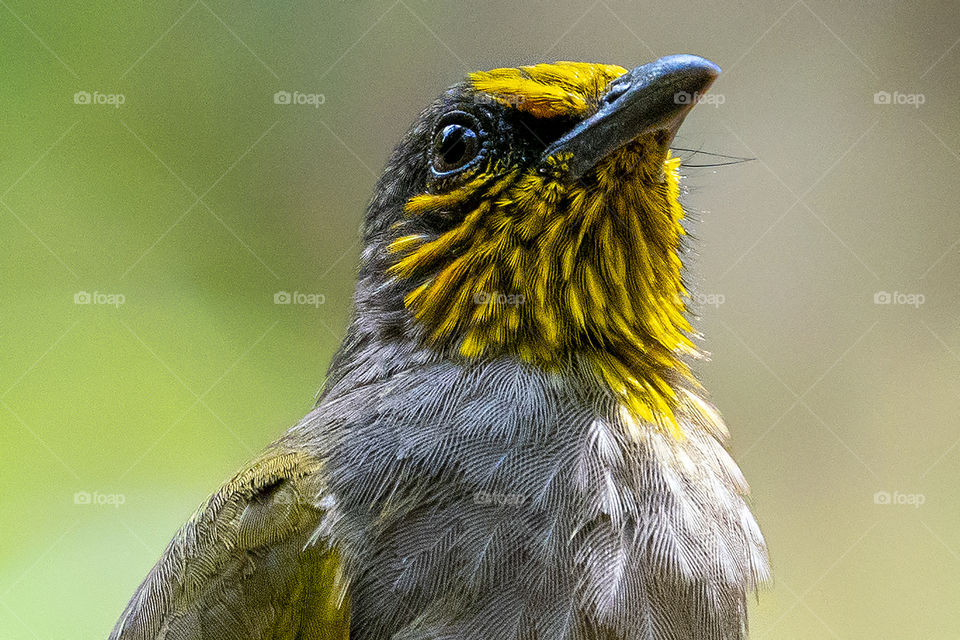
(615, 92)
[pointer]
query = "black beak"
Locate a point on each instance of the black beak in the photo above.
(652, 97)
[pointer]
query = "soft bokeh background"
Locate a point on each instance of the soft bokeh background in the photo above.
(199, 198)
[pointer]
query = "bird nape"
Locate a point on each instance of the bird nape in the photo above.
(510, 442)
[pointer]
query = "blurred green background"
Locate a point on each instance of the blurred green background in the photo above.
(199, 198)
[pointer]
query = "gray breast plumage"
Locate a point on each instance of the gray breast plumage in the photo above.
(495, 500)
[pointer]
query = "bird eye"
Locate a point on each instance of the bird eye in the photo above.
(455, 144)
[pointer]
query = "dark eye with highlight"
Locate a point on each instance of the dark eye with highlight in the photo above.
(456, 143)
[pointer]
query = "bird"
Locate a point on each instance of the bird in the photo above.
(511, 441)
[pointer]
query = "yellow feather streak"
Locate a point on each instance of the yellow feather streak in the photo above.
(570, 273)
(548, 90)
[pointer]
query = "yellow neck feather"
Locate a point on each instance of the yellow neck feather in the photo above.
(545, 270)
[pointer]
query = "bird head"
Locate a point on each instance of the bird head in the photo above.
(533, 213)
